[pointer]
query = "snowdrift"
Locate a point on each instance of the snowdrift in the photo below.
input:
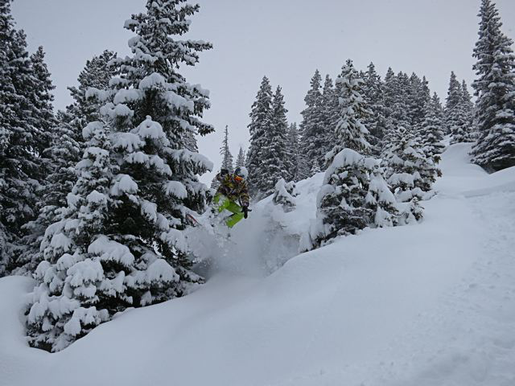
(428, 304)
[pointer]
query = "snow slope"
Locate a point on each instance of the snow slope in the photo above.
(429, 304)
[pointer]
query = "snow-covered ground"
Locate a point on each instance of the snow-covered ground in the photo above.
(428, 304)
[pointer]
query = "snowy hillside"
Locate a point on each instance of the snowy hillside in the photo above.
(428, 304)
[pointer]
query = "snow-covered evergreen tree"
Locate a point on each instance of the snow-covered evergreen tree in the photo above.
(401, 108)
(350, 131)
(240, 160)
(462, 128)
(431, 129)
(294, 151)
(380, 200)
(418, 96)
(225, 152)
(312, 128)
(396, 90)
(341, 201)
(65, 151)
(495, 91)
(261, 121)
(276, 157)
(97, 73)
(470, 112)
(227, 159)
(25, 115)
(119, 242)
(268, 159)
(454, 96)
(376, 121)
(23, 258)
(410, 173)
(284, 194)
(42, 99)
(330, 114)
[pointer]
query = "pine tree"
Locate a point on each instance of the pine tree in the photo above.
(240, 160)
(284, 195)
(495, 91)
(294, 152)
(25, 115)
(396, 100)
(225, 152)
(380, 200)
(96, 74)
(462, 129)
(330, 114)
(418, 97)
(373, 94)
(312, 128)
(261, 116)
(227, 160)
(350, 132)
(466, 131)
(42, 99)
(120, 243)
(341, 202)
(410, 173)
(431, 129)
(401, 111)
(65, 151)
(25, 258)
(454, 96)
(275, 162)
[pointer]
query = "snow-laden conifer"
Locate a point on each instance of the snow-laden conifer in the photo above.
(396, 91)
(342, 200)
(454, 95)
(227, 159)
(463, 128)
(97, 73)
(380, 200)
(275, 154)
(26, 257)
(495, 91)
(294, 152)
(418, 96)
(240, 159)
(261, 121)
(284, 194)
(312, 128)
(119, 243)
(373, 94)
(25, 116)
(350, 131)
(330, 114)
(431, 129)
(410, 173)
(65, 151)
(225, 152)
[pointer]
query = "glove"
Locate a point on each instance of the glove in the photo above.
(245, 211)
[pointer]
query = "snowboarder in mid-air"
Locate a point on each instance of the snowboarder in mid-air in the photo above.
(232, 195)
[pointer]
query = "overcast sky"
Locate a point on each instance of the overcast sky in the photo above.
(285, 40)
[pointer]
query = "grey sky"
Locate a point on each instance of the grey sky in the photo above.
(283, 39)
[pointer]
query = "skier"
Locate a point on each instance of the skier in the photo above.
(233, 195)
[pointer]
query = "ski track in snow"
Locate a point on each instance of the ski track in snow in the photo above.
(438, 310)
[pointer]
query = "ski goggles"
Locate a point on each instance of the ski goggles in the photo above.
(238, 178)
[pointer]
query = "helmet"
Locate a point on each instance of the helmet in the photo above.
(241, 172)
